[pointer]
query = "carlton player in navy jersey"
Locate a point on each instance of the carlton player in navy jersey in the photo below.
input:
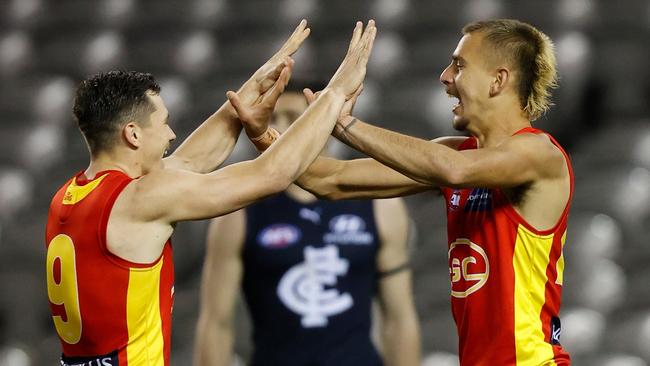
(309, 270)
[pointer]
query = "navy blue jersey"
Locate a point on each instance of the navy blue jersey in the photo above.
(309, 279)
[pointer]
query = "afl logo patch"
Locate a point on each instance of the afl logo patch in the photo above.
(469, 267)
(454, 200)
(279, 236)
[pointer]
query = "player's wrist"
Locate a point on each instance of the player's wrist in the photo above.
(343, 125)
(254, 132)
(265, 140)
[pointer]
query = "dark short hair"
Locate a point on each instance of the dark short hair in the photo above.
(105, 101)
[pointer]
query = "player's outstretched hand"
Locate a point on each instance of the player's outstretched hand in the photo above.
(264, 78)
(255, 116)
(350, 74)
(268, 74)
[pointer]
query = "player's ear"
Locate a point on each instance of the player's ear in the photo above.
(500, 81)
(132, 135)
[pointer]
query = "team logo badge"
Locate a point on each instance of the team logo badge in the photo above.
(279, 236)
(348, 229)
(454, 200)
(469, 267)
(306, 287)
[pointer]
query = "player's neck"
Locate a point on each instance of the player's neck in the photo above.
(497, 127)
(109, 161)
(300, 194)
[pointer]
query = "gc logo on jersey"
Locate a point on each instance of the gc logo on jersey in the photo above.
(348, 229)
(279, 236)
(469, 267)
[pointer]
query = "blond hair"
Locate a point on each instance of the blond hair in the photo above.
(530, 52)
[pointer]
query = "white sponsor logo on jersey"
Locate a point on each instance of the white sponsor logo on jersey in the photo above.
(348, 229)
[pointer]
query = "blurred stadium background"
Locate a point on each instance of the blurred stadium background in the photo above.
(198, 49)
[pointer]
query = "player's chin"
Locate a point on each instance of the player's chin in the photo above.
(459, 123)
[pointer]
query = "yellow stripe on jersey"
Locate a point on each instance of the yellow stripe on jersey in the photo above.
(531, 257)
(75, 193)
(560, 264)
(144, 323)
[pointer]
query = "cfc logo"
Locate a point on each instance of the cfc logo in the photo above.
(469, 267)
(308, 287)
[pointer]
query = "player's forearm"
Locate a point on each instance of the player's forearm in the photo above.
(356, 179)
(211, 143)
(214, 347)
(424, 161)
(297, 148)
(401, 342)
(320, 178)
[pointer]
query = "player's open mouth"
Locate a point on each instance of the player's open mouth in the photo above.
(455, 108)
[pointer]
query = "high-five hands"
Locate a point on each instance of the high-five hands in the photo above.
(252, 97)
(256, 116)
(349, 76)
(271, 79)
(359, 51)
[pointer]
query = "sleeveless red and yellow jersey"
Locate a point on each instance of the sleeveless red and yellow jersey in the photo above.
(506, 278)
(105, 309)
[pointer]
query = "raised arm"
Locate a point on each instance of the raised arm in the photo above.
(175, 195)
(400, 331)
(167, 196)
(222, 273)
(213, 141)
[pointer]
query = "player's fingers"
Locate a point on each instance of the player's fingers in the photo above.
(272, 76)
(275, 72)
(356, 35)
(367, 50)
(309, 95)
(233, 98)
(296, 39)
(272, 96)
(365, 38)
